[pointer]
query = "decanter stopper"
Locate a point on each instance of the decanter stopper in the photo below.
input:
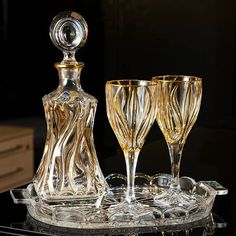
(68, 32)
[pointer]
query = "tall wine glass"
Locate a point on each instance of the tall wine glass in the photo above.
(178, 105)
(131, 111)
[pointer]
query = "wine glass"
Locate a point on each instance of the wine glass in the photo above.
(178, 105)
(131, 110)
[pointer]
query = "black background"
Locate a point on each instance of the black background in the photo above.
(127, 39)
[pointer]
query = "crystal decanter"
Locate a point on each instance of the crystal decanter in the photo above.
(69, 168)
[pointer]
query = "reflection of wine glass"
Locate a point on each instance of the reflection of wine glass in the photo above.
(131, 111)
(178, 104)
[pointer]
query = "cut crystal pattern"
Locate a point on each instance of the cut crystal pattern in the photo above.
(69, 168)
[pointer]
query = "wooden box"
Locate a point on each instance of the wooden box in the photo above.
(16, 156)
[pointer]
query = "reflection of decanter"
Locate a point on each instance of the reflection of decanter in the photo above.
(69, 167)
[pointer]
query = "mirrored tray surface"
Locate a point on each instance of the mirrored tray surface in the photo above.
(206, 226)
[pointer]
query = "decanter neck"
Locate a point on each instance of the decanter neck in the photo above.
(69, 74)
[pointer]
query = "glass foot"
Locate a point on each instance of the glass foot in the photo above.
(175, 198)
(130, 211)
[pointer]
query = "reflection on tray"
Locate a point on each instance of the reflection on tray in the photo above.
(203, 227)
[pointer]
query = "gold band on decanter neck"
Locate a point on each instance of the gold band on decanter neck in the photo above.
(69, 65)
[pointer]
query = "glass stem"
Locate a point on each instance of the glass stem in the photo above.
(131, 158)
(175, 150)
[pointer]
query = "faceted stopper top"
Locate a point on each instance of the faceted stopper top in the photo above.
(68, 32)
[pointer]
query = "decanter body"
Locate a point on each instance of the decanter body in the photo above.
(69, 167)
